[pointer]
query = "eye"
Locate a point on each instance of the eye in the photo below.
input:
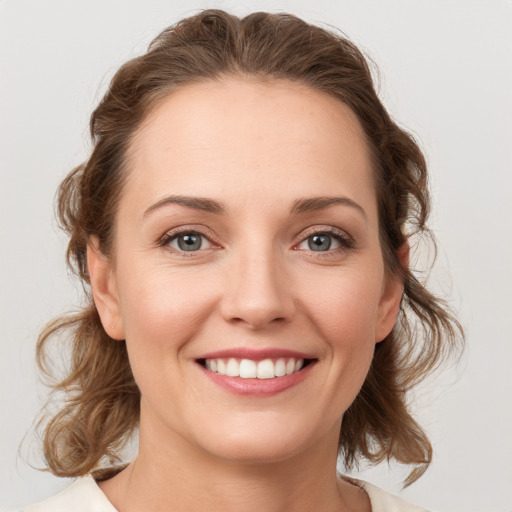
(324, 241)
(320, 242)
(189, 241)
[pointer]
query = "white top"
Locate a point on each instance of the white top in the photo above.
(84, 495)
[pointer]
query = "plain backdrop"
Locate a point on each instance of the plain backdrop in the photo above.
(446, 74)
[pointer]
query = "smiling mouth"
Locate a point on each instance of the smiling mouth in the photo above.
(250, 369)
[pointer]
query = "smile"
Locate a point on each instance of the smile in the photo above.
(251, 369)
(256, 372)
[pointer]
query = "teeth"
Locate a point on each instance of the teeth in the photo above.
(280, 369)
(266, 369)
(232, 368)
(249, 369)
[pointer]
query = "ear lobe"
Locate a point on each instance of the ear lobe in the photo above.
(104, 290)
(389, 304)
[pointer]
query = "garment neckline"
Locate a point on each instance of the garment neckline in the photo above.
(91, 481)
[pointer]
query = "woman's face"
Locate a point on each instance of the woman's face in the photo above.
(247, 244)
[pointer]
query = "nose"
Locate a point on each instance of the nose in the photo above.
(258, 292)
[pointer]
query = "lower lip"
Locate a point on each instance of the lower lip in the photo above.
(258, 387)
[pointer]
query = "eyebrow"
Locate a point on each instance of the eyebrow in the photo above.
(303, 205)
(197, 203)
(310, 204)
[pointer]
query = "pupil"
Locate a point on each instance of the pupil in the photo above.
(189, 242)
(319, 242)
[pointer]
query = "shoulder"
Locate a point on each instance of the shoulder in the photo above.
(382, 501)
(83, 495)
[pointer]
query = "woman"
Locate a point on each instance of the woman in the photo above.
(243, 223)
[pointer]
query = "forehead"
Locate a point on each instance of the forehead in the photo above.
(240, 136)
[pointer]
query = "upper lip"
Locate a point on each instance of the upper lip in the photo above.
(256, 354)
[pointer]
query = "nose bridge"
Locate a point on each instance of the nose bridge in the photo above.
(258, 288)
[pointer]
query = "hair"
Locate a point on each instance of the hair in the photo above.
(101, 406)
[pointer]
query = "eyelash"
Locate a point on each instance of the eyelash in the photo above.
(169, 237)
(346, 241)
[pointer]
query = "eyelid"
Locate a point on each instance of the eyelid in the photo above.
(174, 233)
(345, 239)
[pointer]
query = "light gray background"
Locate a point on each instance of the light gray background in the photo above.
(446, 75)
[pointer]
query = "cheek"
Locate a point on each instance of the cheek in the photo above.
(345, 314)
(161, 312)
(345, 306)
(338, 309)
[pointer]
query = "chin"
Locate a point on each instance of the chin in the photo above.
(262, 443)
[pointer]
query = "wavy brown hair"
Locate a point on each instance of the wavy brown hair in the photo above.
(101, 399)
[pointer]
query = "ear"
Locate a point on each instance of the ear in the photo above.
(104, 290)
(389, 304)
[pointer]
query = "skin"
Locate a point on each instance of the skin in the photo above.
(256, 148)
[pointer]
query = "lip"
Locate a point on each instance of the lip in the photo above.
(257, 388)
(255, 354)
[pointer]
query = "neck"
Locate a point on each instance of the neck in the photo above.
(180, 476)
